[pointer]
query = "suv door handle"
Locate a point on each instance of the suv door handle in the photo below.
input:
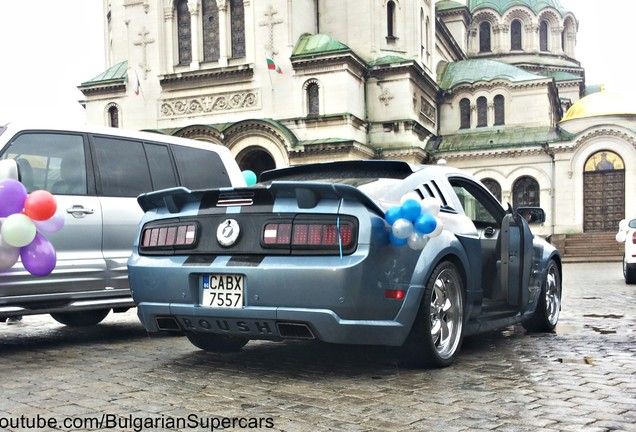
(79, 211)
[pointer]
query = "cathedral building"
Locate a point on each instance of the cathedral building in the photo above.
(490, 86)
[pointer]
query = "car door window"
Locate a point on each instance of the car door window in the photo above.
(477, 204)
(161, 167)
(122, 167)
(50, 161)
(200, 169)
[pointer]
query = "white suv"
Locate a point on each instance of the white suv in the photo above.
(95, 175)
(627, 234)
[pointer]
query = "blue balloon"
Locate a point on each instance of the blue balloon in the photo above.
(392, 215)
(425, 224)
(397, 241)
(411, 209)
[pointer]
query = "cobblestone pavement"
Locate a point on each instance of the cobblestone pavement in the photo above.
(581, 378)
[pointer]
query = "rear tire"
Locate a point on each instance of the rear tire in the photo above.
(546, 315)
(216, 343)
(436, 337)
(81, 318)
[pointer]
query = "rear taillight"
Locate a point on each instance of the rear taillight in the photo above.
(329, 235)
(634, 238)
(168, 236)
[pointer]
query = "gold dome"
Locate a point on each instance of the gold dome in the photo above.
(600, 104)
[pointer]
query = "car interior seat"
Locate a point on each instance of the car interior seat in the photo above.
(25, 173)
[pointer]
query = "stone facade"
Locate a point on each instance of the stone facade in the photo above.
(493, 87)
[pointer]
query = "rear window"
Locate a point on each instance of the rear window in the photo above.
(200, 169)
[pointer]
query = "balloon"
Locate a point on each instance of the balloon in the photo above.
(438, 228)
(411, 209)
(402, 228)
(12, 196)
(430, 205)
(396, 241)
(417, 241)
(621, 236)
(425, 224)
(51, 225)
(38, 257)
(410, 196)
(40, 205)
(250, 177)
(18, 230)
(393, 214)
(8, 255)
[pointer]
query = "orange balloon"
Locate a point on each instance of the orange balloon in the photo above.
(40, 205)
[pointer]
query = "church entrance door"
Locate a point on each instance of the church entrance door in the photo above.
(604, 192)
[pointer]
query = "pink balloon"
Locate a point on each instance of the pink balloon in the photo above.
(12, 196)
(39, 257)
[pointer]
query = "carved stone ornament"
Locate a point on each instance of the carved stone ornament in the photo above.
(209, 104)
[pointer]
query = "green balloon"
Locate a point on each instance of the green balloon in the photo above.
(250, 177)
(18, 230)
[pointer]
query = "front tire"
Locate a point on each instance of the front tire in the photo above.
(628, 273)
(81, 318)
(436, 336)
(546, 315)
(216, 343)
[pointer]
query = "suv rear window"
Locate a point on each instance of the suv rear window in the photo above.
(200, 169)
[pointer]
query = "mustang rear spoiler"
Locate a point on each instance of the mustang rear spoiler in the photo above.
(307, 195)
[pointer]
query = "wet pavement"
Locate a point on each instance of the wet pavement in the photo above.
(117, 377)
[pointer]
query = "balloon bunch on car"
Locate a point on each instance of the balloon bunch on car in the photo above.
(414, 222)
(24, 219)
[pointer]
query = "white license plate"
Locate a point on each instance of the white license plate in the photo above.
(223, 291)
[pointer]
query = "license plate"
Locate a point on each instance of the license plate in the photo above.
(223, 291)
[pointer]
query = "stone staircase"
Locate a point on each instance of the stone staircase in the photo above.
(591, 247)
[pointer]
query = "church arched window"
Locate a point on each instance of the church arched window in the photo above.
(525, 192)
(500, 113)
(493, 186)
(237, 22)
(210, 26)
(113, 116)
(543, 36)
(390, 20)
(484, 37)
(515, 36)
(184, 33)
(482, 112)
(313, 99)
(464, 114)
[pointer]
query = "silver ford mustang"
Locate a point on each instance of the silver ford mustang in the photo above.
(355, 252)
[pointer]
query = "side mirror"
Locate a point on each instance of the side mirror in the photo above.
(532, 215)
(8, 169)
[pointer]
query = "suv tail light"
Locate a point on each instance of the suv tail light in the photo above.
(328, 235)
(634, 238)
(168, 237)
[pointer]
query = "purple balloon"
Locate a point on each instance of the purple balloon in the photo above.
(38, 257)
(52, 225)
(12, 196)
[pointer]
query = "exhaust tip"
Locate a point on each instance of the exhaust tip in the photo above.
(295, 331)
(168, 324)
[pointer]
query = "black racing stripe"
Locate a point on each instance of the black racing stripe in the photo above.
(200, 260)
(245, 261)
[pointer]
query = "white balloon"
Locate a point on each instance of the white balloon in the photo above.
(402, 228)
(411, 195)
(417, 241)
(430, 205)
(621, 236)
(438, 229)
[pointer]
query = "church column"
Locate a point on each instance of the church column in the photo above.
(222, 5)
(532, 33)
(473, 41)
(168, 17)
(499, 43)
(556, 44)
(570, 43)
(194, 7)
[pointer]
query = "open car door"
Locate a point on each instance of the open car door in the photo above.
(516, 259)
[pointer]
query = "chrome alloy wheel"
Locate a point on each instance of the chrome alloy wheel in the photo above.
(446, 313)
(552, 295)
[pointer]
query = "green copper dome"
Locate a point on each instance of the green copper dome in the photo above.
(502, 6)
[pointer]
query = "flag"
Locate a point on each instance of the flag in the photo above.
(137, 84)
(272, 65)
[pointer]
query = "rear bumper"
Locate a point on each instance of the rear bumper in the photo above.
(272, 324)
